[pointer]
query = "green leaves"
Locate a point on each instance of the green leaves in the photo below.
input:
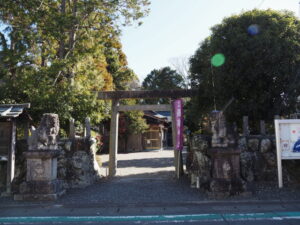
(262, 65)
(56, 54)
(137, 124)
(163, 79)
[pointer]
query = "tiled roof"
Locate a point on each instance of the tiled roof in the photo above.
(12, 110)
(164, 113)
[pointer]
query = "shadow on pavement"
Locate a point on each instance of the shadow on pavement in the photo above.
(150, 163)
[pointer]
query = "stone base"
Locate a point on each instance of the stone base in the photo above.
(5, 194)
(220, 188)
(221, 195)
(38, 197)
(40, 190)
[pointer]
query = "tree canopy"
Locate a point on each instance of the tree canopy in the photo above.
(56, 53)
(163, 79)
(253, 57)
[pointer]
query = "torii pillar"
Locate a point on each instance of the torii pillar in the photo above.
(113, 138)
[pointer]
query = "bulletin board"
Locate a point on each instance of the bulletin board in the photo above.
(287, 143)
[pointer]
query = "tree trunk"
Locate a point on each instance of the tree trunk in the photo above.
(12, 68)
(43, 58)
(72, 36)
(61, 50)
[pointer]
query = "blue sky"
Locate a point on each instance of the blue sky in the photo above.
(174, 29)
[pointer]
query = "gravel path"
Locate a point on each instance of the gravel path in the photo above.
(142, 177)
(142, 164)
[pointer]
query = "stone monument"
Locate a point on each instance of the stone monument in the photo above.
(41, 175)
(225, 156)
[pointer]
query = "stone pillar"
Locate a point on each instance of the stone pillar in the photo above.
(262, 127)
(113, 138)
(245, 126)
(87, 130)
(72, 129)
(41, 174)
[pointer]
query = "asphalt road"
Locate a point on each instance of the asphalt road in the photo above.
(286, 218)
(211, 212)
(145, 192)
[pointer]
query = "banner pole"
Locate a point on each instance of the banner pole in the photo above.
(174, 139)
(178, 163)
(278, 151)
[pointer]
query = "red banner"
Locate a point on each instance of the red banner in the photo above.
(178, 118)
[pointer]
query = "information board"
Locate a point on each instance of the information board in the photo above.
(287, 142)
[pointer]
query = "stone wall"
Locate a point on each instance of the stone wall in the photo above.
(77, 165)
(257, 159)
(198, 163)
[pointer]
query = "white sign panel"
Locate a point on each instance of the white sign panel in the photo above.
(289, 138)
(287, 142)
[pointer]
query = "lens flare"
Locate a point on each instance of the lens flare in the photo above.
(253, 29)
(218, 60)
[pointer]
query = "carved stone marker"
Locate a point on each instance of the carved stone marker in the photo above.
(41, 175)
(225, 157)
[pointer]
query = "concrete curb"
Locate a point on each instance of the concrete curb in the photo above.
(147, 204)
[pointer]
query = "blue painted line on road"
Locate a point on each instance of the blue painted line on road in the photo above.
(109, 218)
(291, 215)
(191, 217)
(250, 216)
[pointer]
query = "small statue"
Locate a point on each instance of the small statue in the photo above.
(227, 170)
(224, 135)
(45, 136)
(219, 130)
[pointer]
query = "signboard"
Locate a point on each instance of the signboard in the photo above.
(287, 142)
(178, 117)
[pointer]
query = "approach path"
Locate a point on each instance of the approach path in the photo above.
(142, 178)
(146, 164)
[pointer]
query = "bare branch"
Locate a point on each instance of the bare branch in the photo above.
(181, 65)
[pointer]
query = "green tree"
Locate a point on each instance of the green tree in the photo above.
(261, 49)
(56, 54)
(163, 79)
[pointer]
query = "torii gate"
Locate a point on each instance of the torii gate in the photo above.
(115, 96)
